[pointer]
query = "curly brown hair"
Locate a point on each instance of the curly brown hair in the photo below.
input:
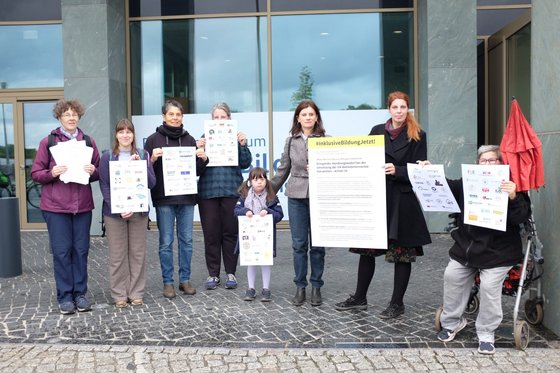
(63, 105)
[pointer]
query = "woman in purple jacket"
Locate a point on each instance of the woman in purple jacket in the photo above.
(126, 232)
(67, 208)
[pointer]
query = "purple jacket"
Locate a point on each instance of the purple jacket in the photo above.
(57, 196)
(105, 182)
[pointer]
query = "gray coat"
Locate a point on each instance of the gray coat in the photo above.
(293, 163)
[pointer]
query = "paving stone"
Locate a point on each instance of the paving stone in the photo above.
(218, 327)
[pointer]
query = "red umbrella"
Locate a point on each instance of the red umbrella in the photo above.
(522, 150)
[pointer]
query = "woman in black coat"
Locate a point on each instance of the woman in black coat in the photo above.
(405, 142)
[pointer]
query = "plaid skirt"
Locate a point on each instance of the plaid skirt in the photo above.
(394, 254)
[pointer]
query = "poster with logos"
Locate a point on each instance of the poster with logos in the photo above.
(347, 191)
(485, 203)
(129, 186)
(221, 142)
(179, 170)
(256, 240)
(431, 188)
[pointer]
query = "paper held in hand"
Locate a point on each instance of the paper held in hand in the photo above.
(431, 188)
(256, 240)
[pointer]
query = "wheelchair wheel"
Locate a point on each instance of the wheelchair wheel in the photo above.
(437, 320)
(534, 313)
(473, 305)
(521, 334)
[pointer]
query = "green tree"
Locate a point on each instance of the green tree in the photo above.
(305, 90)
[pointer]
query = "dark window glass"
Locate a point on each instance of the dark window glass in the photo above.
(145, 8)
(491, 21)
(295, 5)
(199, 62)
(30, 10)
(31, 56)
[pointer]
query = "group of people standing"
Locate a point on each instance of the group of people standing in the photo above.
(222, 196)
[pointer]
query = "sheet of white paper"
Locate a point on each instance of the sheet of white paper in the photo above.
(75, 155)
(221, 142)
(256, 240)
(347, 191)
(129, 186)
(485, 203)
(179, 170)
(431, 188)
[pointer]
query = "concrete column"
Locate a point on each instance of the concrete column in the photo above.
(447, 86)
(545, 111)
(95, 70)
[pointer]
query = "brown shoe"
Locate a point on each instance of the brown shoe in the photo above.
(169, 291)
(187, 288)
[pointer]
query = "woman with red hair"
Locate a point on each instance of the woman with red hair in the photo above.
(405, 142)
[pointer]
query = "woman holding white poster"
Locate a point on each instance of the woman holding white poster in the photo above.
(405, 142)
(126, 232)
(306, 123)
(217, 196)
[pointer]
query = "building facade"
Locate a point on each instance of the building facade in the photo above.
(460, 61)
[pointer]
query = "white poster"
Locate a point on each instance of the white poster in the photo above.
(347, 191)
(221, 142)
(129, 186)
(75, 155)
(256, 240)
(431, 188)
(485, 203)
(179, 170)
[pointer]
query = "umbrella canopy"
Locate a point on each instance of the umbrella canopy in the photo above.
(522, 150)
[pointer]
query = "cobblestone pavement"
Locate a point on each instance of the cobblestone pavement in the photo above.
(91, 358)
(217, 330)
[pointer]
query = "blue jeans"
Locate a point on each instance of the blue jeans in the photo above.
(167, 215)
(300, 226)
(69, 241)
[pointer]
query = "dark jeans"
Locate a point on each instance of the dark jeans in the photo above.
(219, 226)
(69, 240)
(300, 226)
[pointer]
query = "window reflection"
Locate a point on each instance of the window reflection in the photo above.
(348, 61)
(38, 121)
(7, 175)
(351, 61)
(31, 56)
(199, 62)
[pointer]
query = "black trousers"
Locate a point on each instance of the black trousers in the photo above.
(220, 228)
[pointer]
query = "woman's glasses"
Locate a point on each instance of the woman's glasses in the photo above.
(488, 160)
(68, 115)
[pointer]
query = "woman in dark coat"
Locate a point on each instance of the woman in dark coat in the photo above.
(405, 142)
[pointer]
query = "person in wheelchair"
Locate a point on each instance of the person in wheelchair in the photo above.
(488, 251)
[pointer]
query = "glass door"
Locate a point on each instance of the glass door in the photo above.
(7, 157)
(38, 121)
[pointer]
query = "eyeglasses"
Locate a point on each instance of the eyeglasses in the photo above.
(488, 160)
(68, 115)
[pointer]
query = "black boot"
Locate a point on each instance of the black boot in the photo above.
(316, 299)
(299, 298)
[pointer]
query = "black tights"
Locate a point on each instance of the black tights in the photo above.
(366, 270)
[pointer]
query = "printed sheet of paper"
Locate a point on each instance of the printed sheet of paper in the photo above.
(347, 191)
(485, 203)
(75, 155)
(221, 142)
(256, 240)
(179, 170)
(431, 188)
(129, 186)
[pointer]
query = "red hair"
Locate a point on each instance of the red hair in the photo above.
(412, 126)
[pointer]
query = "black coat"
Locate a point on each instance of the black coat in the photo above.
(480, 247)
(406, 225)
